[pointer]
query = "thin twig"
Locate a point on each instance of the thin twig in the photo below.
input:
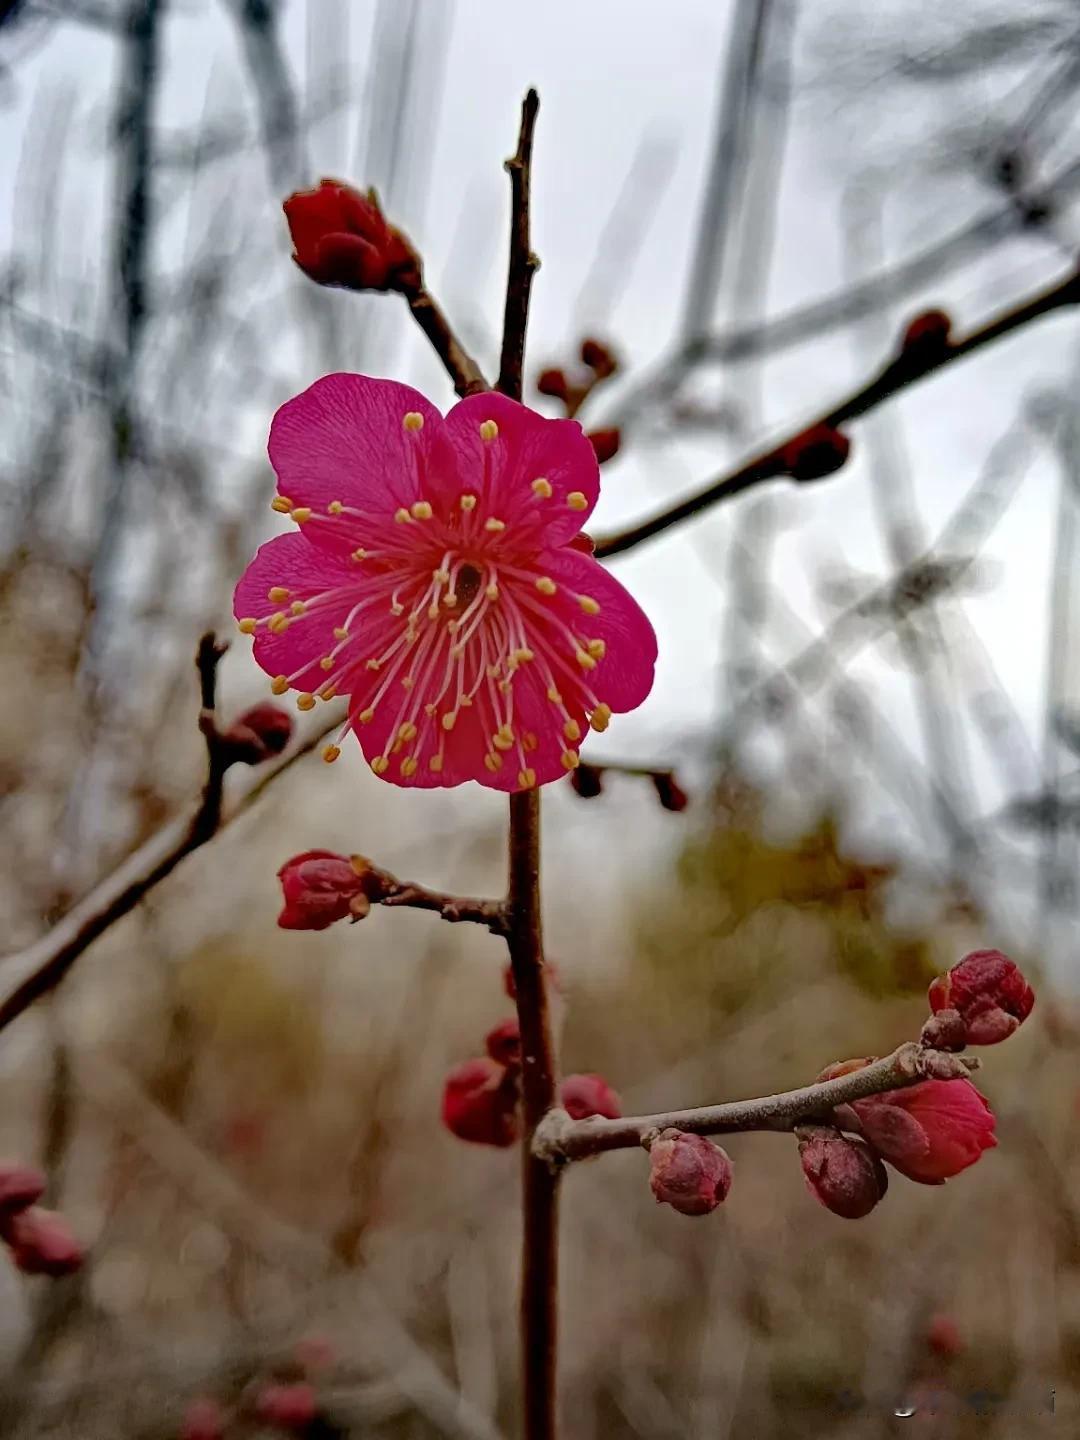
(462, 368)
(523, 263)
(905, 369)
(560, 1139)
(387, 889)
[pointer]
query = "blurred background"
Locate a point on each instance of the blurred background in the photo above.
(747, 200)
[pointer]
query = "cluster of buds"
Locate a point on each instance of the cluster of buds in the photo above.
(573, 386)
(482, 1097)
(259, 734)
(320, 887)
(930, 1131)
(588, 781)
(39, 1241)
(341, 238)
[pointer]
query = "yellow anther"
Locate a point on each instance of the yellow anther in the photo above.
(570, 759)
(340, 633)
(407, 731)
(489, 430)
(572, 730)
(278, 623)
(541, 488)
(281, 505)
(396, 608)
(402, 516)
(449, 720)
(330, 753)
(505, 687)
(410, 633)
(409, 766)
(326, 663)
(457, 652)
(305, 701)
(492, 761)
(494, 526)
(380, 764)
(298, 607)
(491, 591)
(529, 741)
(279, 684)
(433, 610)
(276, 594)
(588, 604)
(442, 576)
(600, 718)
(553, 695)
(467, 502)
(408, 681)
(527, 779)
(435, 763)
(522, 656)
(326, 692)
(421, 510)
(493, 671)
(546, 585)
(597, 649)
(248, 625)
(372, 664)
(465, 702)
(577, 501)
(429, 708)
(366, 716)
(301, 513)
(335, 507)
(585, 660)
(450, 599)
(503, 742)
(359, 554)
(413, 420)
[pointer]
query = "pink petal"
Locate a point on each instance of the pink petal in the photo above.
(343, 440)
(528, 447)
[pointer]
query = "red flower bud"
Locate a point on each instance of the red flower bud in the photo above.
(815, 453)
(341, 237)
(20, 1187)
(943, 1337)
(319, 887)
(553, 382)
(605, 442)
(930, 1131)
(587, 780)
(504, 1043)
(257, 735)
(990, 994)
(599, 358)
(289, 1407)
(41, 1242)
(669, 792)
(844, 1174)
(203, 1419)
(927, 333)
(480, 1102)
(688, 1172)
(585, 1095)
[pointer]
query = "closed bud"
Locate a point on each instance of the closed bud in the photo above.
(41, 1242)
(20, 1187)
(843, 1174)
(930, 1131)
(341, 237)
(288, 1407)
(504, 1043)
(605, 442)
(320, 887)
(817, 452)
(585, 1095)
(927, 334)
(989, 993)
(203, 1419)
(480, 1102)
(669, 792)
(553, 382)
(257, 735)
(688, 1172)
(600, 358)
(943, 1337)
(944, 1031)
(587, 780)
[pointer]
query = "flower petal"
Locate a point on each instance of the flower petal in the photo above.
(528, 449)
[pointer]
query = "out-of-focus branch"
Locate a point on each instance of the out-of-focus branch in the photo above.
(560, 1139)
(912, 364)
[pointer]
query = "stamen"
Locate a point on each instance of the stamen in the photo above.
(494, 526)
(467, 502)
(326, 692)
(407, 731)
(492, 761)
(278, 623)
(530, 741)
(248, 625)
(489, 430)
(600, 718)
(380, 764)
(570, 759)
(326, 663)
(588, 604)
(553, 695)
(358, 555)
(298, 607)
(366, 716)
(577, 501)
(301, 513)
(421, 510)
(276, 594)
(335, 507)
(281, 505)
(279, 684)
(585, 660)
(597, 649)
(572, 730)
(340, 633)
(541, 488)
(492, 591)
(436, 763)
(413, 420)
(305, 701)
(402, 516)
(527, 779)
(546, 585)
(408, 766)
(330, 753)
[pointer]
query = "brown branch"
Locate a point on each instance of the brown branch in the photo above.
(907, 368)
(523, 263)
(387, 889)
(559, 1139)
(460, 366)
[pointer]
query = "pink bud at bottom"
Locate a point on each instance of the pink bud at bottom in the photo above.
(20, 1186)
(585, 1095)
(42, 1242)
(843, 1174)
(289, 1407)
(480, 1102)
(688, 1172)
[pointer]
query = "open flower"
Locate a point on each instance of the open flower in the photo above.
(438, 581)
(930, 1131)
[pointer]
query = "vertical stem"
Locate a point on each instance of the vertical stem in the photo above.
(539, 1258)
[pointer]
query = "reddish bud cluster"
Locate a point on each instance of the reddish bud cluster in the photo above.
(688, 1172)
(553, 382)
(588, 781)
(41, 1241)
(480, 1102)
(257, 735)
(844, 1174)
(605, 443)
(600, 358)
(572, 390)
(819, 451)
(341, 237)
(585, 1095)
(320, 887)
(987, 992)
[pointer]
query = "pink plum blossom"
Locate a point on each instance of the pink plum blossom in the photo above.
(440, 581)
